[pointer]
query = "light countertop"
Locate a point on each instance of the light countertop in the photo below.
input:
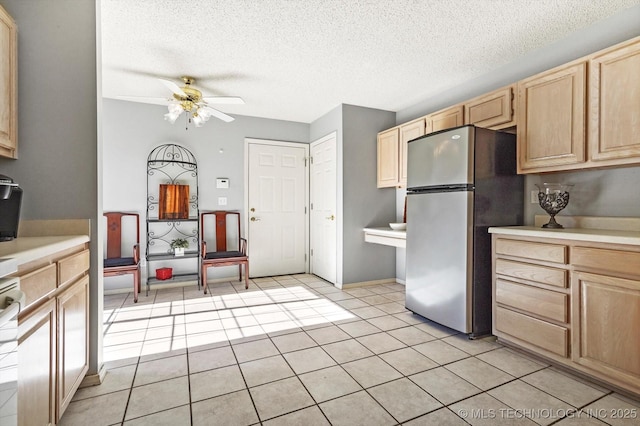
(575, 234)
(385, 236)
(386, 231)
(26, 249)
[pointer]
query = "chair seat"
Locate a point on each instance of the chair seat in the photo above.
(223, 254)
(119, 261)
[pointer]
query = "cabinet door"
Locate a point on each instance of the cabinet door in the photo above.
(551, 119)
(73, 345)
(446, 119)
(494, 110)
(614, 103)
(408, 132)
(8, 86)
(388, 164)
(36, 366)
(606, 317)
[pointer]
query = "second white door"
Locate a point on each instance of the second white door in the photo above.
(324, 218)
(277, 201)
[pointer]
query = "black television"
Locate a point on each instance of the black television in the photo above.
(10, 215)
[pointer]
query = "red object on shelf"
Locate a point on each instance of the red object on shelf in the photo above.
(164, 273)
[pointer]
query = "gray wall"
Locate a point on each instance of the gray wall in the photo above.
(131, 130)
(363, 203)
(610, 192)
(57, 122)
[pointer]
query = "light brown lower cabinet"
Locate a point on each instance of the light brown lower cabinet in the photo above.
(53, 331)
(575, 303)
(607, 326)
(73, 346)
(36, 367)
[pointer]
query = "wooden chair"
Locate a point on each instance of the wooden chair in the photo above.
(221, 256)
(115, 263)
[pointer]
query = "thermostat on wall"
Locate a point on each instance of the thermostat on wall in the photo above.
(222, 183)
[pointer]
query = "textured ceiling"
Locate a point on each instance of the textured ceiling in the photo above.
(298, 59)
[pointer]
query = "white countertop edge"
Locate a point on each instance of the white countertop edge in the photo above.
(576, 234)
(386, 232)
(27, 249)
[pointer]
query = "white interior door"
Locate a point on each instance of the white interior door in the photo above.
(323, 195)
(276, 208)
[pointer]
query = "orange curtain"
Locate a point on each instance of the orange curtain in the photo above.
(174, 202)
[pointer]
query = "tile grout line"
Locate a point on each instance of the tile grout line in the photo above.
(306, 330)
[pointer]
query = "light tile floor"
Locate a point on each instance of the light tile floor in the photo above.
(294, 350)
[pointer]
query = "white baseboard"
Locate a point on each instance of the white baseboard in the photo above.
(367, 283)
(94, 379)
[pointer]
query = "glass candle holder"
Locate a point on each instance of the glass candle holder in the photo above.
(553, 197)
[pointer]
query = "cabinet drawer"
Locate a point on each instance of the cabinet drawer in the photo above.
(537, 332)
(38, 283)
(72, 266)
(537, 273)
(537, 251)
(538, 301)
(615, 261)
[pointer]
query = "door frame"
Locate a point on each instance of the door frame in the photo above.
(332, 135)
(254, 141)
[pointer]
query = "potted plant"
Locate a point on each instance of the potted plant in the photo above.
(178, 245)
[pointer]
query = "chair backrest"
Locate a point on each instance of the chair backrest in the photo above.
(221, 219)
(114, 233)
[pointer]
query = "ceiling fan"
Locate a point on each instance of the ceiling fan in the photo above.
(188, 99)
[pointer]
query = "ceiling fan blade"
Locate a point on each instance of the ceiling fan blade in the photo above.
(145, 100)
(173, 87)
(218, 114)
(228, 100)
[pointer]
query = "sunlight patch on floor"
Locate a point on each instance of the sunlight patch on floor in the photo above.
(148, 329)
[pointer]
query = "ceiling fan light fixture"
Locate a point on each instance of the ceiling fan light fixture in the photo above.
(204, 113)
(175, 107)
(189, 100)
(197, 120)
(174, 112)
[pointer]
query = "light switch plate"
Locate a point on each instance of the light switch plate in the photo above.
(222, 201)
(222, 183)
(534, 196)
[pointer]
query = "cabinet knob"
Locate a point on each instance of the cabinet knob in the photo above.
(332, 217)
(254, 219)
(252, 209)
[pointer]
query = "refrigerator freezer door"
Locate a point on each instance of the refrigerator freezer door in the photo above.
(439, 253)
(443, 158)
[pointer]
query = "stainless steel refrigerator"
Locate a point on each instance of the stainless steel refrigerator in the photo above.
(460, 182)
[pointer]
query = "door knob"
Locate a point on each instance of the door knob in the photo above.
(332, 217)
(253, 219)
(252, 209)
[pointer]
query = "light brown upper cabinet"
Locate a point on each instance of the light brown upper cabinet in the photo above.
(8, 86)
(551, 119)
(392, 152)
(445, 119)
(569, 122)
(388, 157)
(614, 105)
(582, 114)
(493, 110)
